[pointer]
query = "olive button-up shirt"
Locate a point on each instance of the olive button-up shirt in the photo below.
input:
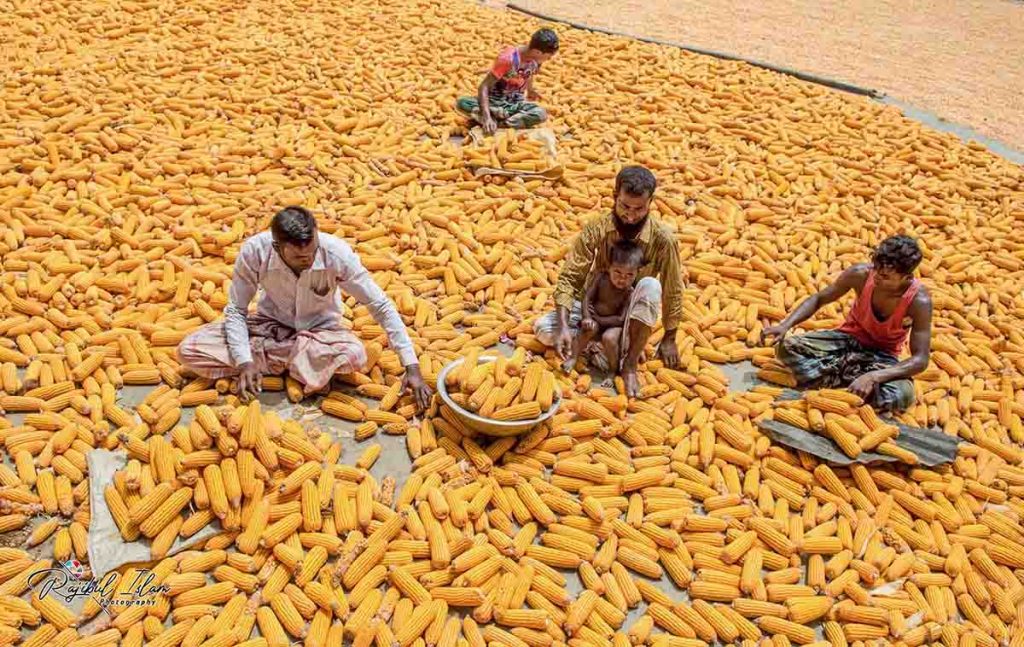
(590, 254)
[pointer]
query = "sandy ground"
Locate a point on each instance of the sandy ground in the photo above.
(960, 59)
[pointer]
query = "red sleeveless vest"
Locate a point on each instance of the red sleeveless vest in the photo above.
(888, 335)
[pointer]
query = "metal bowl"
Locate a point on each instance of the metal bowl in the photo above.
(486, 426)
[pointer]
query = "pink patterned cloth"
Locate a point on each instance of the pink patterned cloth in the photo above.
(310, 356)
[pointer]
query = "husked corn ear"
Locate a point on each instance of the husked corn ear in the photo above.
(822, 402)
(166, 511)
(792, 417)
(596, 411)
(739, 547)
(409, 586)
(804, 610)
(713, 591)
(526, 618)
(459, 596)
(522, 411)
(218, 593)
(546, 390)
(120, 513)
(342, 410)
(288, 615)
(384, 417)
(280, 530)
(270, 627)
(417, 624)
(799, 634)
(821, 545)
(196, 398)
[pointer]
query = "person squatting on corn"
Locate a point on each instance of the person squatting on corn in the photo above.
(297, 323)
(605, 306)
(505, 96)
(660, 274)
(863, 353)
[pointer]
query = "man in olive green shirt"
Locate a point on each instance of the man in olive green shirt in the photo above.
(659, 275)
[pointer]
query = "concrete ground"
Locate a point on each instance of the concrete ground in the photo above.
(959, 59)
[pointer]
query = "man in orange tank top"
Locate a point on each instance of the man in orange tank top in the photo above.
(863, 353)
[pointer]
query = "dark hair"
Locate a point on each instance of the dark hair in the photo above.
(900, 253)
(635, 180)
(294, 225)
(544, 40)
(626, 252)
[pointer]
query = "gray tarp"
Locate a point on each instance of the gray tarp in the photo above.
(107, 550)
(931, 447)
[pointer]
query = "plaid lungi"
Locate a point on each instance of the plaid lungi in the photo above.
(511, 112)
(310, 356)
(832, 359)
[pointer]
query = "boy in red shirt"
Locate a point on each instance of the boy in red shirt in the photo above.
(502, 97)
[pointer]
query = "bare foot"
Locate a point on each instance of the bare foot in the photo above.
(632, 383)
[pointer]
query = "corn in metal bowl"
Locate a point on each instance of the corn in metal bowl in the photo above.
(487, 426)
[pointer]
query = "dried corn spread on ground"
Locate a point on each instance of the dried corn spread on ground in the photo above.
(142, 141)
(510, 150)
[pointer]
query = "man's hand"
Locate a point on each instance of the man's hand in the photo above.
(632, 383)
(774, 333)
(488, 123)
(865, 385)
(413, 383)
(563, 341)
(668, 351)
(250, 381)
(588, 325)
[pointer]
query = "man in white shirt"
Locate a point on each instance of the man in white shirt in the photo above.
(297, 324)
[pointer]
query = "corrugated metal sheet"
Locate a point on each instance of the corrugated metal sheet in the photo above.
(931, 447)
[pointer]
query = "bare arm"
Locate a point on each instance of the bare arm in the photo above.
(531, 94)
(483, 94)
(590, 298)
(851, 279)
(244, 284)
(358, 282)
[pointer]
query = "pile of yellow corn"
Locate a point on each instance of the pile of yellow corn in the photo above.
(510, 150)
(503, 388)
(141, 142)
(843, 417)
